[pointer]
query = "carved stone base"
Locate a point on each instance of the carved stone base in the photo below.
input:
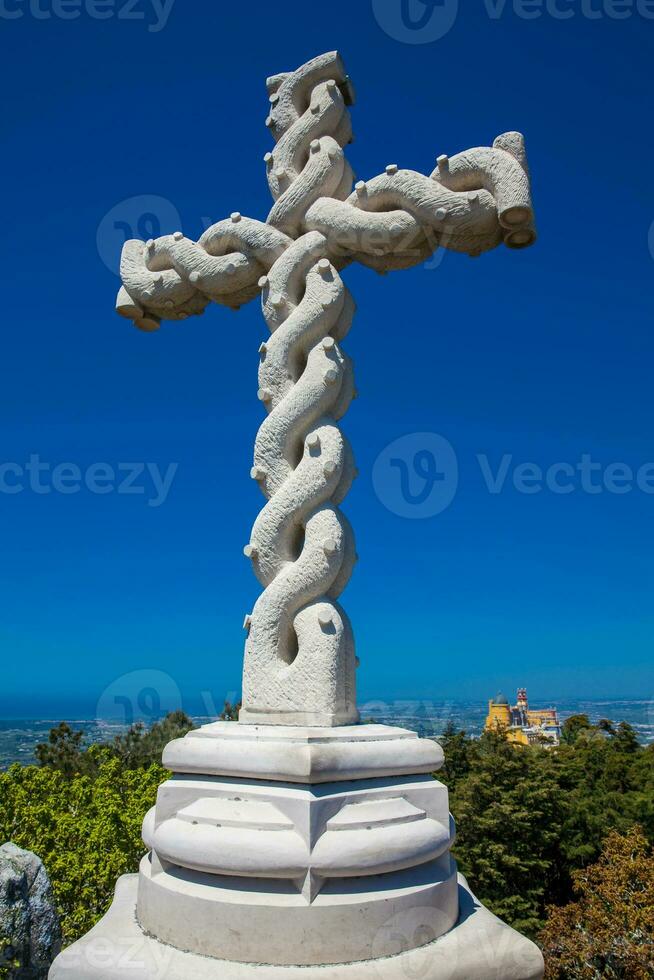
(301, 849)
(296, 875)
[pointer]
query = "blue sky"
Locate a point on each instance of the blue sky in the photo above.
(542, 356)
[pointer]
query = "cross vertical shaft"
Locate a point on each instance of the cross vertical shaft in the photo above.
(299, 658)
(299, 665)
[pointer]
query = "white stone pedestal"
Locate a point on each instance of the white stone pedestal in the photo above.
(279, 852)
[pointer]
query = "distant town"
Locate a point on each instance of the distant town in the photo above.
(522, 724)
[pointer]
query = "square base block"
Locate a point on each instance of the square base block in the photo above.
(478, 947)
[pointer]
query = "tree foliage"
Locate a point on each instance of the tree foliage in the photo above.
(85, 828)
(230, 711)
(608, 932)
(529, 817)
(507, 809)
(139, 747)
(81, 810)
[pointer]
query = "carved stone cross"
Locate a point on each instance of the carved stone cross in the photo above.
(299, 657)
(305, 850)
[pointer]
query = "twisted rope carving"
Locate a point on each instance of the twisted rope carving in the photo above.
(470, 203)
(311, 125)
(299, 657)
(173, 277)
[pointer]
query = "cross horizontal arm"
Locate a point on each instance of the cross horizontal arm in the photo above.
(470, 203)
(173, 277)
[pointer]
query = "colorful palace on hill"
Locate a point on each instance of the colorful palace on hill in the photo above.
(521, 723)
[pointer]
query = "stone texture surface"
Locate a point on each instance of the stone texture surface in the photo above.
(479, 946)
(30, 934)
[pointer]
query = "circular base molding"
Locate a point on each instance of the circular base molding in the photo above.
(302, 755)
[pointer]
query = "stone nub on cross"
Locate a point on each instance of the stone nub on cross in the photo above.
(296, 844)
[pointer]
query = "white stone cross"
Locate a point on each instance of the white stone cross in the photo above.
(299, 658)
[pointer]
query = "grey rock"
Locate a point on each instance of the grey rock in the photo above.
(30, 933)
